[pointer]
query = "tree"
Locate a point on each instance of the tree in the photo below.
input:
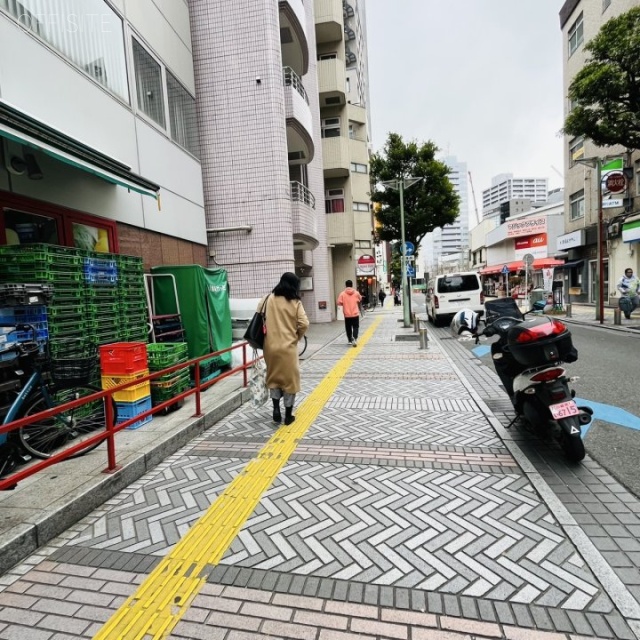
(606, 91)
(429, 204)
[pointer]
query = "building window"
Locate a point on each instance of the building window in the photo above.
(88, 33)
(576, 205)
(576, 35)
(363, 244)
(361, 206)
(328, 56)
(148, 84)
(576, 150)
(356, 167)
(334, 201)
(605, 5)
(182, 114)
(330, 127)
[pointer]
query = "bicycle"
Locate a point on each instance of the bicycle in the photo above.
(302, 345)
(64, 382)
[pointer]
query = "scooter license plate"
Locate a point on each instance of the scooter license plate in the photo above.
(564, 410)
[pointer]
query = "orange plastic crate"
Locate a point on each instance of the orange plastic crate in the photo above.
(131, 394)
(123, 358)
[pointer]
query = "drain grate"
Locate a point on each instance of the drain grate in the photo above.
(408, 338)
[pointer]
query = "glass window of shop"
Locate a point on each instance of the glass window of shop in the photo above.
(182, 114)
(148, 84)
(86, 32)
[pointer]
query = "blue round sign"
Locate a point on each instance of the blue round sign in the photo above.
(409, 248)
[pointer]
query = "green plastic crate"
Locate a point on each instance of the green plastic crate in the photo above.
(166, 354)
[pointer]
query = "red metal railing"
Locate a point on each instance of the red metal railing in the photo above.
(111, 429)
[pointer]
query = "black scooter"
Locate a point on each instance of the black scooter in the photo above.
(527, 357)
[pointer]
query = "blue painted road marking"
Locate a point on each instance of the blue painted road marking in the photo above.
(480, 351)
(609, 413)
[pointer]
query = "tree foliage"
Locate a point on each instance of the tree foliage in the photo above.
(428, 204)
(606, 90)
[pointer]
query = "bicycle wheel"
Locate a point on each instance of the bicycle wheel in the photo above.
(50, 435)
(302, 345)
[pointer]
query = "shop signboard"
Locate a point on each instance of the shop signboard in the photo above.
(570, 240)
(366, 265)
(526, 226)
(536, 245)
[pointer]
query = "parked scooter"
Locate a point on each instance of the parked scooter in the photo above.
(527, 357)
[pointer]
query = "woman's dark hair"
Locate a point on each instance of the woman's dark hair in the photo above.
(289, 286)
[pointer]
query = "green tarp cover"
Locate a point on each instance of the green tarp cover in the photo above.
(204, 306)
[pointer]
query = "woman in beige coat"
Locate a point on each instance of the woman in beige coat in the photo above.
(286, 323)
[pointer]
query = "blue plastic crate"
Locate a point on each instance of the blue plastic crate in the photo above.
(23, 314)
(128, 410)
(41, 333)
(101, 278)
(101, 264)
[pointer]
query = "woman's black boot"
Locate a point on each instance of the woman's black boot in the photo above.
(288, 415)
(277, 416)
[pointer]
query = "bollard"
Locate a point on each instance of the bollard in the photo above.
(568, 309)
(416, 322)
(617, 316)
(424, 338)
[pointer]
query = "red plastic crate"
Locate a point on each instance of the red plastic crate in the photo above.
(123, 358)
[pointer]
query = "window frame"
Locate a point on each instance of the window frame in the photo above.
(575, 144)
(356, 165)
(165, 103)
(357, 206)
(63, 216)
(576, 200)
(334, 195)
(195, 153)
(576, 29)
(325, 126)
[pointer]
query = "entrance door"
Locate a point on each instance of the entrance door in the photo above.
(593, 281)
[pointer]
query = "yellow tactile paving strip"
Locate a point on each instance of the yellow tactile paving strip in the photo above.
(163, 598)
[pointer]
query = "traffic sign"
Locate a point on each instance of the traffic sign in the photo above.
(615, 182)
(411, 272)
(409, 249)
(505, 269)
(528, 259)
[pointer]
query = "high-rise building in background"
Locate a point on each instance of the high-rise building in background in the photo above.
(344, 100)
(448, 247)
(505, 187)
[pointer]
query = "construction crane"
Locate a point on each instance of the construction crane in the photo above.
(475, 204)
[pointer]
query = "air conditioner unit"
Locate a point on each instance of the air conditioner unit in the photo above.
(614, 230)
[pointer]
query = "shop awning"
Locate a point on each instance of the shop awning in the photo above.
(25, 130)
(518, 265)
(631, 229)
(571, 265)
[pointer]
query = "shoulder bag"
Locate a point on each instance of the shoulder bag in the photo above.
(257, 328)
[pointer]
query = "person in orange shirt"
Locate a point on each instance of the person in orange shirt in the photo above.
(351, 302)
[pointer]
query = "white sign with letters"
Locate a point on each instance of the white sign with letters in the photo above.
(571, 240)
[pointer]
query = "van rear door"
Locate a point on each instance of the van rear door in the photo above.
(458, 291)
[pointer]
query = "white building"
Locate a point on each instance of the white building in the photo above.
(97, 116)
(505, 187)
(447, 248)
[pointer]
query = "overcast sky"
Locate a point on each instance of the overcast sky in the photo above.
(481, 78)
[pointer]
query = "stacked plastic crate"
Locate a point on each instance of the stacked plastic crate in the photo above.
(162, 355)
(58, 268)
(132, 299)
(100, 273)
(123, 362)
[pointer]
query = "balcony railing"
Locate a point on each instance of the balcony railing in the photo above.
(300, 193)
(292, 79)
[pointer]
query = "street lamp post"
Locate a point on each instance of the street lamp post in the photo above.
(400, 185)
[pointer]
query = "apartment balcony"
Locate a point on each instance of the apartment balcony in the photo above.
(332, 81)
(293, 36)
(336, 159)
(340, 229)
(329, 21)
(303, 210)
(300, 145)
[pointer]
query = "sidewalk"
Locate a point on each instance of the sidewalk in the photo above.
(396, 506)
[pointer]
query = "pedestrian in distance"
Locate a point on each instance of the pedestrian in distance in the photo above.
(629, 288)
(396, 298)
(351, 302)
(381, 296)
(286, 322)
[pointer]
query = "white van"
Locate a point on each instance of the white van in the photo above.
(449, 292)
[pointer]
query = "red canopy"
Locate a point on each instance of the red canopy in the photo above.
(518, 265)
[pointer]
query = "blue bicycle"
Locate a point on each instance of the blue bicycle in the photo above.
(50, 382)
